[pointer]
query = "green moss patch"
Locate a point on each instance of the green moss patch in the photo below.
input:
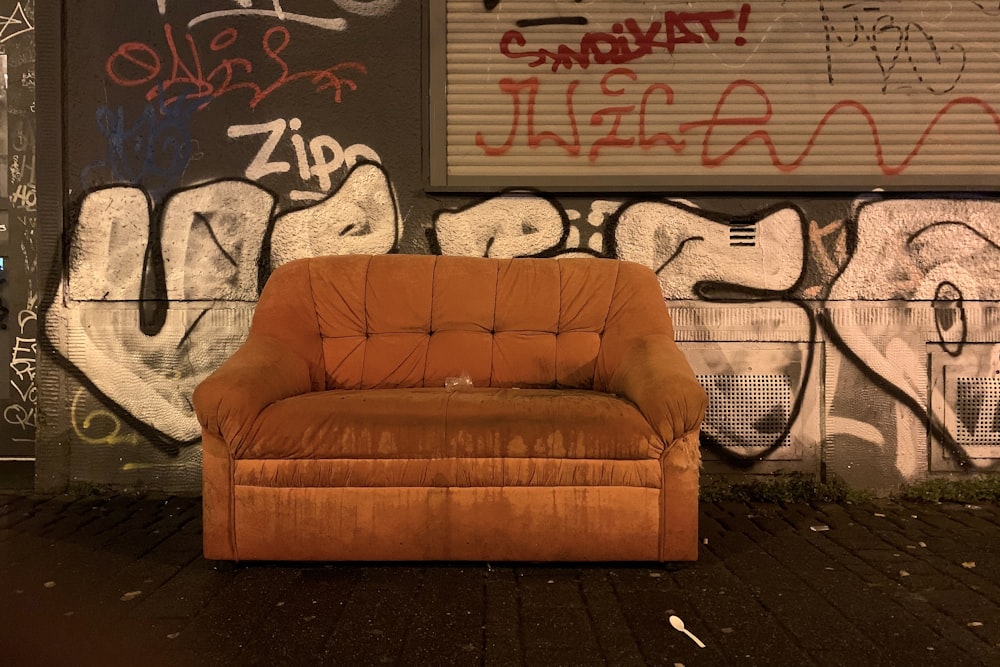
(781, 488)
(972, 490)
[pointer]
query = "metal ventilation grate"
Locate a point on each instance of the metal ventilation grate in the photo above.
(747, 410)
(977, 408)
(743, 236)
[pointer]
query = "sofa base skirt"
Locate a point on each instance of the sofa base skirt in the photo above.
(566, 523)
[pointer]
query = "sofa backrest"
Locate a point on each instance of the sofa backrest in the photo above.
(385, 321)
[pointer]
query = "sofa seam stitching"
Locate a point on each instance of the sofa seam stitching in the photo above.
(319, 330)
(555, 359)
(493, 326)
(604, 329)
(232, 506)
(364, 311)
(430, 321)
(614, 291)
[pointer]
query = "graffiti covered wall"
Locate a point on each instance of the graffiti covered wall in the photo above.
(209, 142)
(715, 92)
(19, 289)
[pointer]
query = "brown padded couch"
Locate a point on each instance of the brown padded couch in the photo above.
(330, 435)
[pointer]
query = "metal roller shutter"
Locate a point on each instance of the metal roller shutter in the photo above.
(714, 95)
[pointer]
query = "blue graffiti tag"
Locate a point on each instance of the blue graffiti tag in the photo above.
(152, 152)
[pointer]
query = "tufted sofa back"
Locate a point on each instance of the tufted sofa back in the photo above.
(365, 322)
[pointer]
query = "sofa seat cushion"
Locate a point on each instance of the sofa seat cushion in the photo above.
(451, 473)
(424, 423)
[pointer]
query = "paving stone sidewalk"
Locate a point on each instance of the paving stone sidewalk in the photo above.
(120, 580)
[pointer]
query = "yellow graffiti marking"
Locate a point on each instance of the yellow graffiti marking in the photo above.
(97, 421)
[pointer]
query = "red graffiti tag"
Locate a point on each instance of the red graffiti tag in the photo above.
(535, 139)
(628, 41)
(530, 87)
(709, 159)
(138, 64)
(524, 93)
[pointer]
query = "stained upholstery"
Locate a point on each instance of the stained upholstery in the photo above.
(432, 423)
(329, 434)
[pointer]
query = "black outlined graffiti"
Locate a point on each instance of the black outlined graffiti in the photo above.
(938, 251)
(776, 423)
(361, 217)
(665, 233)
(950, 318)
(701, 254)
(661, 233)
(513, 224)
(686, 245)
(192, 268)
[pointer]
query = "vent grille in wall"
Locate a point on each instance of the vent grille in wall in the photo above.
(747, 410)
(964, 401)
(977, 411)
(743, 236)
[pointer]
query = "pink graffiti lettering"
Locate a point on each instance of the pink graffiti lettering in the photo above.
(628, 41)
(182, 72)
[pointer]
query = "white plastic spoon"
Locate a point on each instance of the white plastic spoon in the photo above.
(678, 625)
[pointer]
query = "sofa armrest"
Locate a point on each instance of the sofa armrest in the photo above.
(263, 370)
(655, 375)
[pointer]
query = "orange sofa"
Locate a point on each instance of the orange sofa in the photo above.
(330, 435)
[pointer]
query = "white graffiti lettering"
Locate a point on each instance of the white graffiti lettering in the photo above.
(24, 197)
(15, 168)
(360, 218)
(19, 415)
(23, 363)
(512, 225)
(685, 246)
(208, 259)
(23, 358)
(368, 8)
(326, 154)
(15, 24)
(22, 168)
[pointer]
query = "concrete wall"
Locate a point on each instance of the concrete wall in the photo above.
(19, 285)
(207, 142)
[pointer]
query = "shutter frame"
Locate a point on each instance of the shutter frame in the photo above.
(833, 108)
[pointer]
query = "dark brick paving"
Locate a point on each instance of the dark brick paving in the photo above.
(120, 580)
